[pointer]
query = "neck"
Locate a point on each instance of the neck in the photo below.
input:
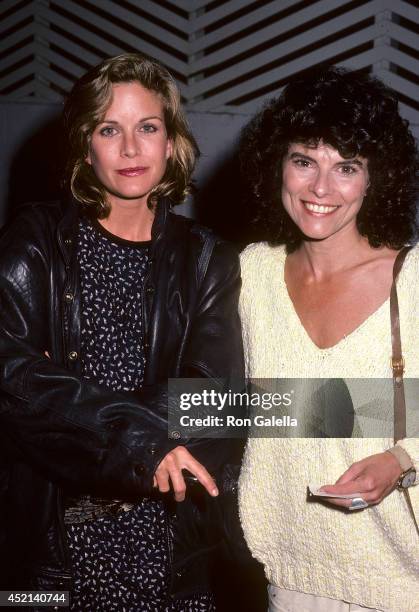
(129, 223)
(323, 258)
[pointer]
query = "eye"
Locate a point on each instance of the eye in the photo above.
(108, 131)
(348, 169)
(301, 162)
(148, 128)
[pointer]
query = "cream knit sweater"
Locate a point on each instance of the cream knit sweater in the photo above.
(371, 557)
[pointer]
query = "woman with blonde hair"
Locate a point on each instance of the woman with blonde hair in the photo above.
(104, 297)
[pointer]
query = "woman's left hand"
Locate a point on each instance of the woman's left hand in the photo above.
(373, 478)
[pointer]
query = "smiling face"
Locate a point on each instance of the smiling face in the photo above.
(129, 148)
(321, 191)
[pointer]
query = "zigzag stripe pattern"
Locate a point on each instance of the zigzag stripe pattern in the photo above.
(47, 44)
(225, 54)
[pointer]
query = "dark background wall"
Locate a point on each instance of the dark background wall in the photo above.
(228, 57)
(32, 152)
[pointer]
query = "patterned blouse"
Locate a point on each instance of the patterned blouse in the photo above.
(119, 562)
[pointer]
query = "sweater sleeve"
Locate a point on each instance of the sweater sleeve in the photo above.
(411, 446)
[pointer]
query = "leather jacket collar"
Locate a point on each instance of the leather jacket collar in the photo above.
(67, 227)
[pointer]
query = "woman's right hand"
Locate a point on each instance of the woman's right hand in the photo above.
(170, 469)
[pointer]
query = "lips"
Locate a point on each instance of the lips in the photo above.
(319, 209)
(137, 171)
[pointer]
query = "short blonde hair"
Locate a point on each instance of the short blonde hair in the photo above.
(86, 106)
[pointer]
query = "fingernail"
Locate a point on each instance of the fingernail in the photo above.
(214, 492)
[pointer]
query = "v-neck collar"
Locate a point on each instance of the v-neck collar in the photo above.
(289, 304)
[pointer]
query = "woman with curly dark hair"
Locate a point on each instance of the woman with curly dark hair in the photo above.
(330, 167)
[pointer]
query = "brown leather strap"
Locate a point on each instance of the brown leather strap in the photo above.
(397, 360)
(397, 363)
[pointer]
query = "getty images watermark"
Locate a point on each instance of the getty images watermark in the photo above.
(225, 401)
(289, 407)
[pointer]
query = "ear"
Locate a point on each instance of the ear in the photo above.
(169, 148)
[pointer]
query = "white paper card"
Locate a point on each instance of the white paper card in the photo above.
(314, 490)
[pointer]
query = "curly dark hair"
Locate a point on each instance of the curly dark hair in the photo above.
(357, 115)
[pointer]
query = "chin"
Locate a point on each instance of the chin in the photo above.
(315, 238)
(315, 235)
(318, 231)
(311, 234)
(129, 198)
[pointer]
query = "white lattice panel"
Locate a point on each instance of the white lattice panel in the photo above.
(226, 55)
(61, 38)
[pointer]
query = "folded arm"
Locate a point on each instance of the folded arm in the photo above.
(73, 430)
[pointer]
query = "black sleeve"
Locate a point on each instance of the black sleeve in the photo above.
(73, 430)
(77, 432)
(215, 349)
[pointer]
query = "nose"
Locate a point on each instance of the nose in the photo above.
(320, 185)
(129, 146)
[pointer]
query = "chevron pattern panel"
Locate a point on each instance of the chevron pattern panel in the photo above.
(226, 54)
(47, 44)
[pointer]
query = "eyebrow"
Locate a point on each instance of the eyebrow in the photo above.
(354, 160)
(345, 162)
(113, 122)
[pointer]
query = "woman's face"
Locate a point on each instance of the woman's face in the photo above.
(129, 148)
(321, 191)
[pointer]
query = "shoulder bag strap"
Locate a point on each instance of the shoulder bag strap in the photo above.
(397, 363)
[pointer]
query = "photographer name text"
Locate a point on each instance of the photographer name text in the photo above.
(234, 421)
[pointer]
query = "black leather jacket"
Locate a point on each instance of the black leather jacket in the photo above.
(57, 430)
